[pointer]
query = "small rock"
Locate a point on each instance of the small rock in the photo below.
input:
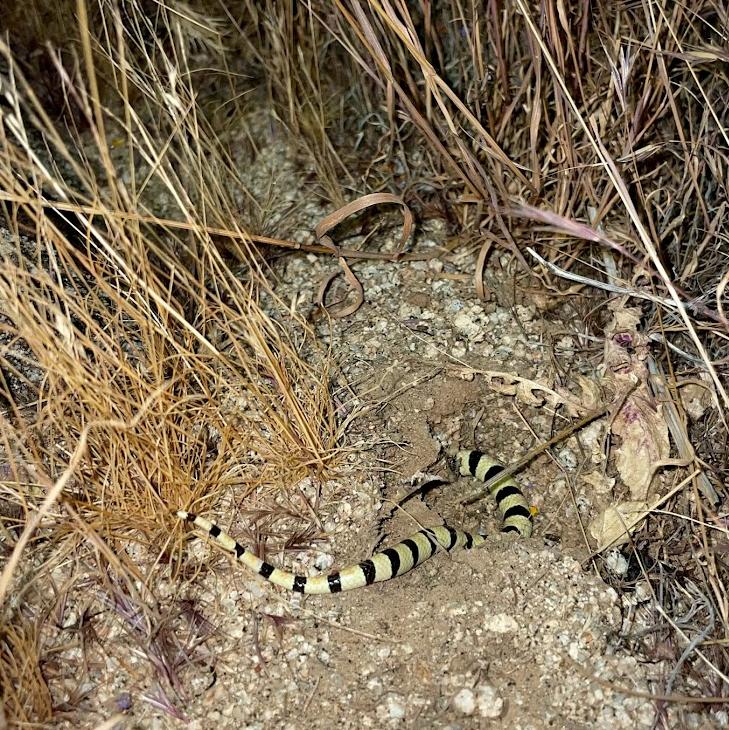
(323, 561)
(500, 623)
(374, 684)
(395, 707)
(489, 702)
(464, 322)
(567, 458)
(616, 562)
(465, 701)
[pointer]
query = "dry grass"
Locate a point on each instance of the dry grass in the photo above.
(140, 375)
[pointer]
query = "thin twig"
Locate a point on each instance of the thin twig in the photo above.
(530, 455)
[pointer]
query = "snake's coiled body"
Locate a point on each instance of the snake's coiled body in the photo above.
(396, 560)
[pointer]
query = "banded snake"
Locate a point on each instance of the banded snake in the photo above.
(399, 559)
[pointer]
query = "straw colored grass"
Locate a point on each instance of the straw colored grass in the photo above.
(139, 374)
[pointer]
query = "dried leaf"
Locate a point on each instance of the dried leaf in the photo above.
(639, 424)
(611, 528)
(644, 434)
(533, 393)
(365, 201)
(334, 219)
(696, 398)
(356, 289)
(599, 481)
(590, 394)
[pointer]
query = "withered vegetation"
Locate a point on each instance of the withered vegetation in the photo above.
(147, 363)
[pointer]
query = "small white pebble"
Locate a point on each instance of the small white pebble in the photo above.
(616, 562)
(567, 458)
(489, 702)
(465, 701)
(500, 623)
(643, 592)
(565, 344)
(576, 652)
(374, 684)
(323, 561)
(525, 313)
(254, 589)
(464, 322)
(292, 654)
(461, 610)
(395, 707)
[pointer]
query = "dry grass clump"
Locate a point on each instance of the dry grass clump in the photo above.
(140, 375)
(26, 698)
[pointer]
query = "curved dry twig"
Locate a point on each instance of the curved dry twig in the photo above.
(334, 219)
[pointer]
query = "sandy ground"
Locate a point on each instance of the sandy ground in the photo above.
(519, 633)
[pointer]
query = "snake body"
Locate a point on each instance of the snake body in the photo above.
(513, 508)
(396, 560)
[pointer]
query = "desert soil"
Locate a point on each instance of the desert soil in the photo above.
(519, 633)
